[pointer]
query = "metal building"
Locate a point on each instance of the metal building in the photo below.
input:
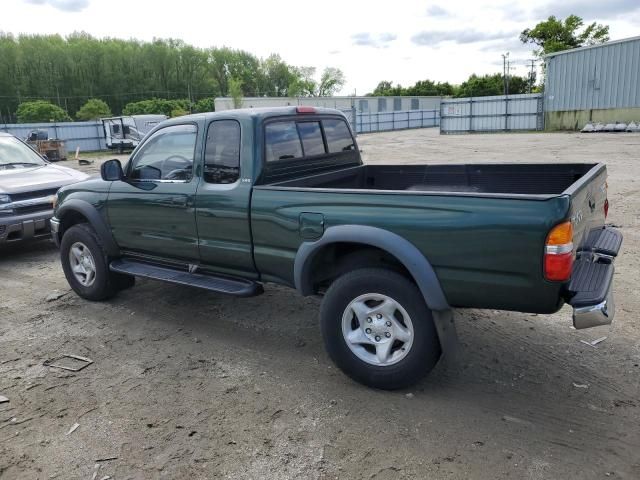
(599, 83)
(361, 104)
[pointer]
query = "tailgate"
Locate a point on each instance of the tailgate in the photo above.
(590, 290)
(588, 203)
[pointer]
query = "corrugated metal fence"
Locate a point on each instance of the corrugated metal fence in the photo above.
(89, 136)
(369, 122)
(492, 114)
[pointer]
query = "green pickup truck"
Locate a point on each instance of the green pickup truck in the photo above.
(232, 200)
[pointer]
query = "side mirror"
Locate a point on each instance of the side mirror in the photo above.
(111, 170)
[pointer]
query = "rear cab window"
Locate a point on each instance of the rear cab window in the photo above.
(304, 144)
(296, 139)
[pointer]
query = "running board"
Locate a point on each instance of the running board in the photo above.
(229, 286)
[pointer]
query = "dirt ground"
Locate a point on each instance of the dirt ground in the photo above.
(188, 384)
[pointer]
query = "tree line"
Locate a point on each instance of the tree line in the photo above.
(67, 72)
(474, 86)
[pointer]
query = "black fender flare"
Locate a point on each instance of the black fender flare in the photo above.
(96, 220)
(403, 250)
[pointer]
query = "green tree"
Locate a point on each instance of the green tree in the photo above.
(302, 84)
(331, 81)
(420, 88)
(158, 106)
(41, 111)
(235, 92)
(93, 110)
(204, 105)
(554, 35)
(486, 85)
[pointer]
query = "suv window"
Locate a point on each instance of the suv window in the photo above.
(167, 155)
(282, 141)
(311, 135)
(338, 136)
(222, 152)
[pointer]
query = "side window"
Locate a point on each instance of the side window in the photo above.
(311, 136)
(167, 155)
(222, 152)
(282, 141)
(339, 137)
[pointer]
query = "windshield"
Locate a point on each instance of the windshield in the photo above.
(15, 154)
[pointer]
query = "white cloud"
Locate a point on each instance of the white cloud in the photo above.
(366, 39)
(64, 5)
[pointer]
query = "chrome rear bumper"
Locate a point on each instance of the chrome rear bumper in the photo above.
(595, 315)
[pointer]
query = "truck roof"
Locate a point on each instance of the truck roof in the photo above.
(257, 113)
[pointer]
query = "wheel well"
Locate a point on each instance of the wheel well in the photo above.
(69, 219)
(336, 259)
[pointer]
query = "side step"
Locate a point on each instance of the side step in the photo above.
(230, 286)
(604, 241)
(590, 283)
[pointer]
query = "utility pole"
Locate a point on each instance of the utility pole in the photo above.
(505, 58)
(531, 74)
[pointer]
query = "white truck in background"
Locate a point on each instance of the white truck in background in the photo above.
(126, 132)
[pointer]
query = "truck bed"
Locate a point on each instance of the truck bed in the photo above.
(505, 179)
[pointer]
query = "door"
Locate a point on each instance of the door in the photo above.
(152, 211)
(222, 212)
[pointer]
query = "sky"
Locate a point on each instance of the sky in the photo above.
(401, 41)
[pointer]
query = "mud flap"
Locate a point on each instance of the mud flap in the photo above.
(446, 328)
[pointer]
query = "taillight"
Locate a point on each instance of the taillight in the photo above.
(606, 208)
(558, 253)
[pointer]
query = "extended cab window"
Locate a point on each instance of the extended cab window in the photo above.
(282, 141)
(222, 152)
(311, 135)
(339, 137)
(167, 155)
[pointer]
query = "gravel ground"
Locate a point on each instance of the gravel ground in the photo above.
(188, 384)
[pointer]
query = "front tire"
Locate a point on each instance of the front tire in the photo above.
(378, 329)
(85, 264)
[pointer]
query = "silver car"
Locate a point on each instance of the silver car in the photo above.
(28, 184)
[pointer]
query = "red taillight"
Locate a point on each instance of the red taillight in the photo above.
(606, 208)
(558, 253)
(305, 110)
(558, 268)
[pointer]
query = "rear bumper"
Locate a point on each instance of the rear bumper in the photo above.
(591, 288)
(30, 226)
(595, 315)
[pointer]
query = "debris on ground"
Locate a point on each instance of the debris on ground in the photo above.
(3, 399)
(595, 342)
(580, 385)
(409, 395)
(52, 297)
(96, 467)
(85, 362)
(82, 161)
(509, 418)
(73, 428)
(106, 459)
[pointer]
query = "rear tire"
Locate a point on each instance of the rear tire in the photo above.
(378, 329)
(86, 266)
